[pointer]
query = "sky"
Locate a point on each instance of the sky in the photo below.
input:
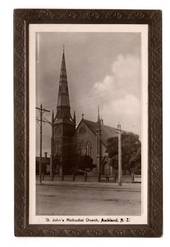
(103, 69)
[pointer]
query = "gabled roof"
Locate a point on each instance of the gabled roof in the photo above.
(106, 131)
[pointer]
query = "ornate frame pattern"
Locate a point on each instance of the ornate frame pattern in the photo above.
(22, 19)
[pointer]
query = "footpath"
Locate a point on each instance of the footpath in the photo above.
(135, 187)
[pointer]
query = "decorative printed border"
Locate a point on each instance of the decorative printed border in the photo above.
(22, 19)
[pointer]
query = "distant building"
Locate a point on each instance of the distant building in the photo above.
(45, 164)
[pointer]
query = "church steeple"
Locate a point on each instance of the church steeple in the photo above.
(63, 103)
(98, 117)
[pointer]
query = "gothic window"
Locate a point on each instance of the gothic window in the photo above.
(88, 148)
(85, 148)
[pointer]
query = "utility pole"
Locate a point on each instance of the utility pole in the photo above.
(99, 146)
(52, 145)
(119, 155)
(41, 110)
(100, 154)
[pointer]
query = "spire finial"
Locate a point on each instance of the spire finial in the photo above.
(52, 114)
(98, 116)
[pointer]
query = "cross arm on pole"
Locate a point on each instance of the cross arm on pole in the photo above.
(43, 109)
(44, 121)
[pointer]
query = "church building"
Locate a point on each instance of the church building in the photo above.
(69, 139)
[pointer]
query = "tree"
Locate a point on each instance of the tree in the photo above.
(85, 163)
(135, 162)
(130, 149)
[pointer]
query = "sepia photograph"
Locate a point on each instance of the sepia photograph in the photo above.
(88, 124)
(88, 128)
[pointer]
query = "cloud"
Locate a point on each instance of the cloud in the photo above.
(126, 70)
(103, 91)
(118, 94)
(127, 106)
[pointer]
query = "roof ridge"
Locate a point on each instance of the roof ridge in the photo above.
(102, 125)
(89, 120)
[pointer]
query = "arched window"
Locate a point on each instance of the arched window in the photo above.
(88, 148)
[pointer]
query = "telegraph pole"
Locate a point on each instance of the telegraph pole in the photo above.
(99, 146)
(52, 145)
(100, 154)
(41, 110)
(119, 156)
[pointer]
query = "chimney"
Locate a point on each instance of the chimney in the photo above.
(45, 154)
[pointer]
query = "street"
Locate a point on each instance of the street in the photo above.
(87, 198)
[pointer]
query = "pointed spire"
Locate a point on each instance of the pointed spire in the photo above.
(63, 103)
(99, 120)
(63, 73)
(98, 115)
(74, 118)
